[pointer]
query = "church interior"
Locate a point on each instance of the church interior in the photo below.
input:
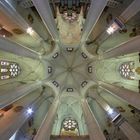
(69, 69)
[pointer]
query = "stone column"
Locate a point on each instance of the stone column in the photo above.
(113, 114)
(116, 118)
(107, 108)
(95, 133)
(17, 49)
(129, 131)
(96, 8)
(130, 11)
(9, 8)
(13, 120)
(129, 96)
(131, 46)
(44, 10)
(11, 96)
(45, 130)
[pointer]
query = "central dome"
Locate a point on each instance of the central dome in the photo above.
(70, 70)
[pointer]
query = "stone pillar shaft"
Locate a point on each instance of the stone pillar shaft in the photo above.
(43, 8)
(45, 130)
(11, 11)
(13, 120)
(128, 47)
(96, 8)
(17, 49)
(129, 131)
(9, 97)
(95, 133)
(8, 8)
(129, 96)
(130, 11)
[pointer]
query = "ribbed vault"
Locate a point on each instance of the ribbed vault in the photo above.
(69, 68)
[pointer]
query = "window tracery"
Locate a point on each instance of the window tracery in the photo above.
(69, 124)
(9, 69)
(127, 70)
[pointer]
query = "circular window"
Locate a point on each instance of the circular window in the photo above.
(70, 124)
(126, 70)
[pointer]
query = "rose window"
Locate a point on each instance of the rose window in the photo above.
(70, 124)
(127, 70)
(9, 69)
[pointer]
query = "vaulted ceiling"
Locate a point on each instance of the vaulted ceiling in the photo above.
(65, 50)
